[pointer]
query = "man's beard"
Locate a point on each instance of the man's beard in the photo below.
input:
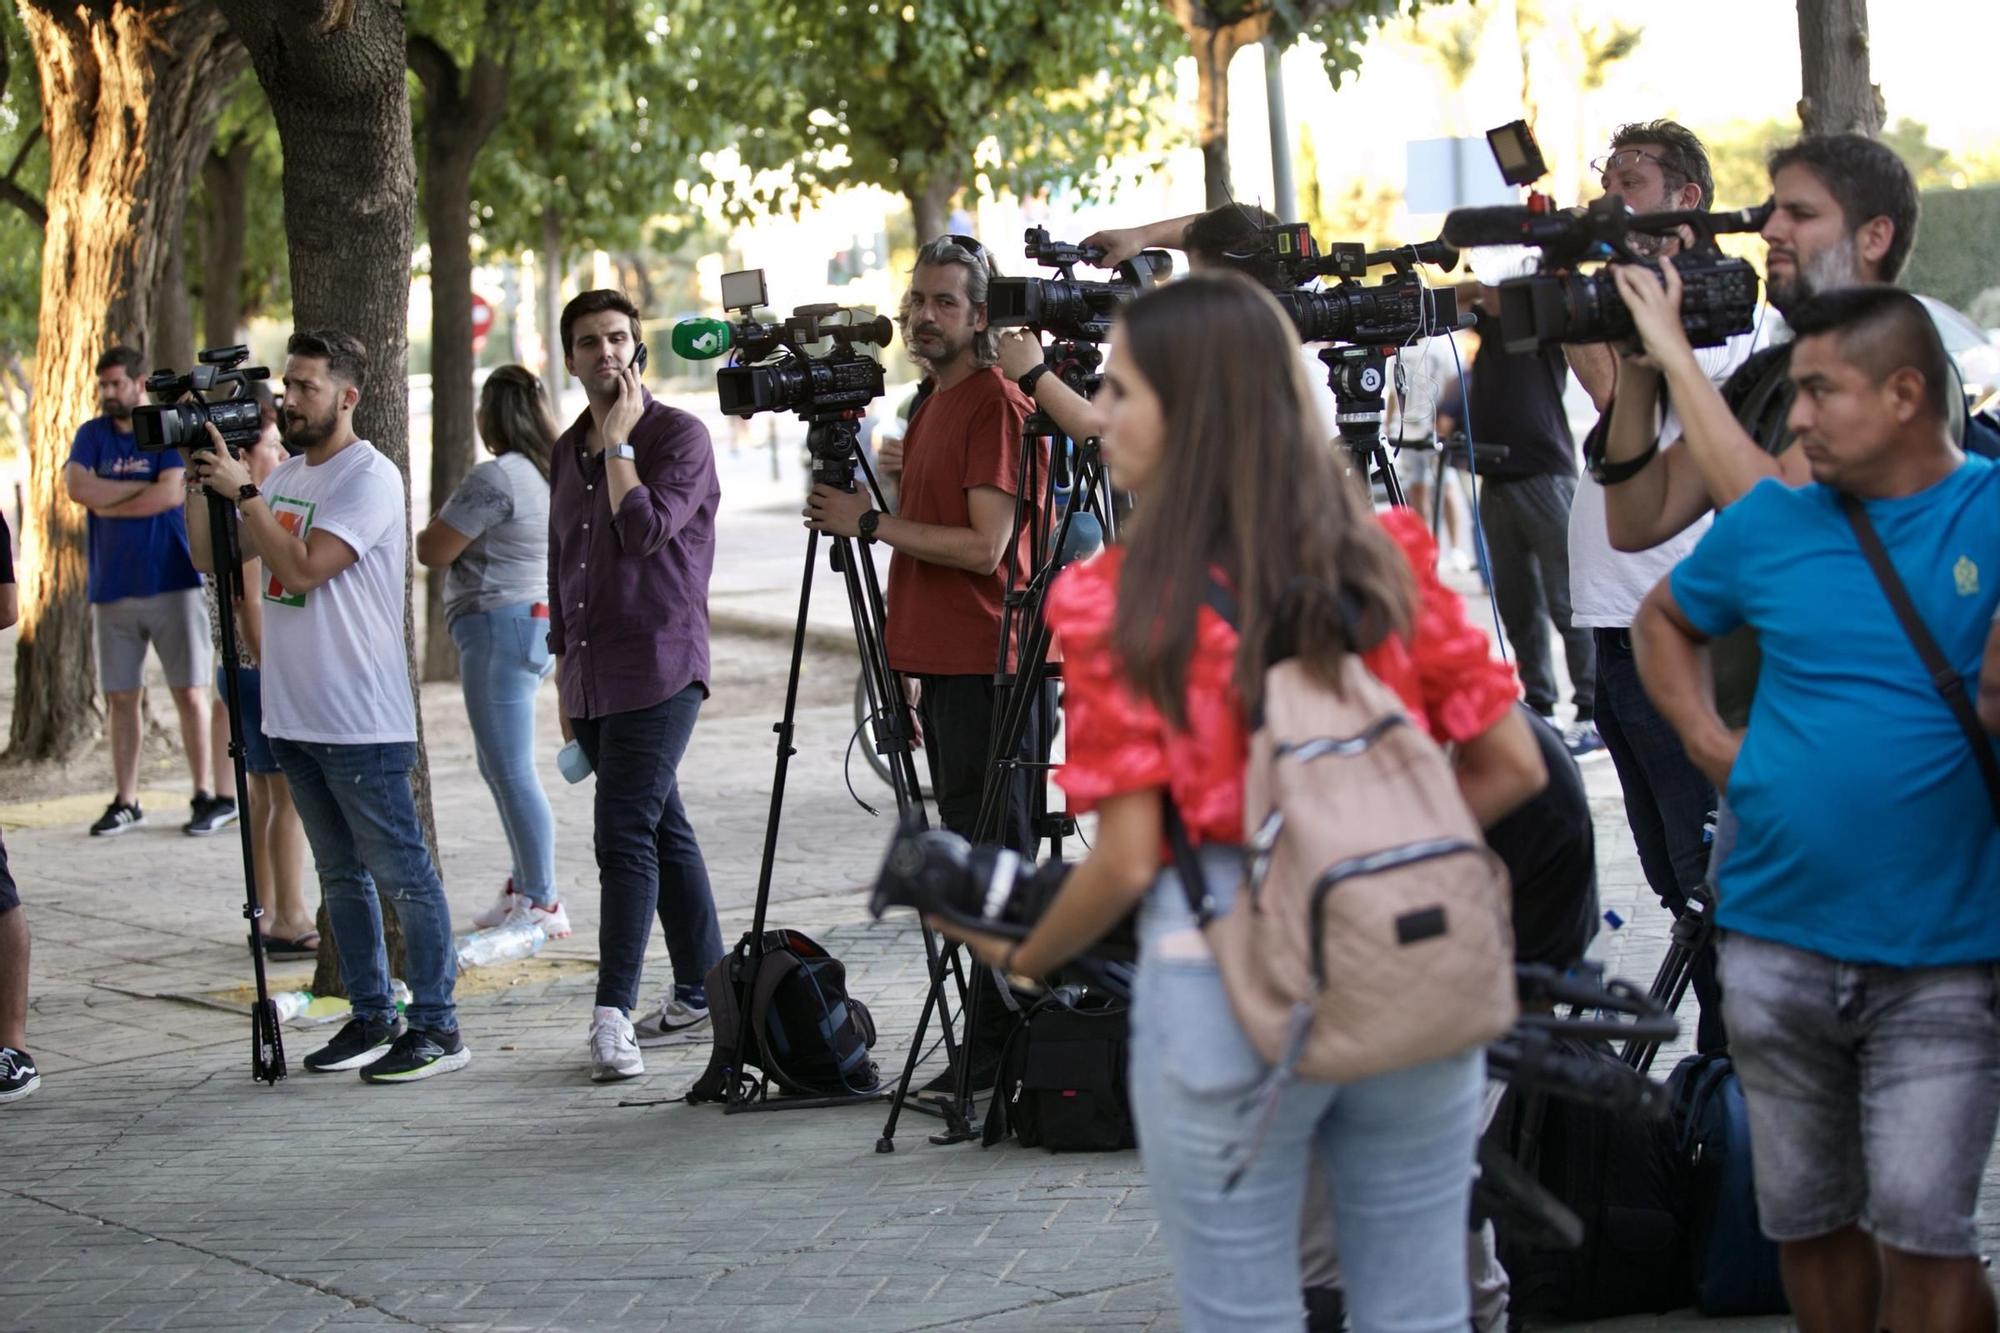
(1828, 271)
(948, 352)
(301, 435)
(116, 409)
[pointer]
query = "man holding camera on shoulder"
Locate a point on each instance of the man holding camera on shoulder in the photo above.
(959, 468)
(332, 531)
(1654, 166)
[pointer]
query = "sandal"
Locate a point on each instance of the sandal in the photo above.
(305, 946)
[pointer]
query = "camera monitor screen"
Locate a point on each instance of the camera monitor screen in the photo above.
(743, 290)
(1515, 149)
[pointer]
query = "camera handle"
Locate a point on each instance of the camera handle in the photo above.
(267, 1046)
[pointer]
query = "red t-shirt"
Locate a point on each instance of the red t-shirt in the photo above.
(943, 621)
(1118, 742)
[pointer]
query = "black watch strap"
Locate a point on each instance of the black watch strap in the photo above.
(867, 522)
(248, 492)
(1605, 472)
(1032, 378)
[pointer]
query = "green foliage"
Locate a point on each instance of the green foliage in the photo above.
(1340, 27)
(1958, 245)
(20, 236)
(265, 282)
(871, 92)
(1737, 154)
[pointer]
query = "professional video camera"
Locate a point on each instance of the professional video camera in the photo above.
(785, 376)
(1560, 304)
(169, 423)
(1066, 307)
(1397, 310)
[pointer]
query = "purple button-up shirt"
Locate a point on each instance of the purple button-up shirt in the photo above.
(629, 590)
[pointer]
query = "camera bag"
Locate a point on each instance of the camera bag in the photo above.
(1733, 1266)
(1372, 931)
(1062, 1076)
(810, 1036)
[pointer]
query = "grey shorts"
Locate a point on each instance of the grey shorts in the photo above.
(1873, 1092)
(175, 623)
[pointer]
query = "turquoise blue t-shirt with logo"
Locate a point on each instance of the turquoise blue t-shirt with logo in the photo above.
(1866, 833)
(132, 557)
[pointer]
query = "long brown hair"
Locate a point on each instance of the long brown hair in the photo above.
(514, 416)
(1246, 482)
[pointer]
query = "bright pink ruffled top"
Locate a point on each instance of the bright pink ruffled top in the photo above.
(1118, 741)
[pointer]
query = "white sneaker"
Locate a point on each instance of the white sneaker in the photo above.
(614, 1053)
(554, 921)
(673, 1019)
(491, 916)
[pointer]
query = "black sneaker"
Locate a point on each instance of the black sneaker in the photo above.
(18, 1075)
(211, 814)
(419, 1053)
(358, 1042)
(117, 817)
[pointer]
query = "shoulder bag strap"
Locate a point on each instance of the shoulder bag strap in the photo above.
(1944, 677)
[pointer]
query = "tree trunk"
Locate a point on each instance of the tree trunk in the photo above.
(225, 176)
(124, 88)
(333, 71)
(1833, 62)
(457, 123)
(1215, 44)
(173, 314)
(930, 204)
(549, 305)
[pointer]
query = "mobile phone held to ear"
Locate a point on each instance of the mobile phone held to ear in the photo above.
(639, 359)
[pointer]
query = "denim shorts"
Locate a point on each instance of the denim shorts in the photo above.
(1873, 1092)
(257, 756)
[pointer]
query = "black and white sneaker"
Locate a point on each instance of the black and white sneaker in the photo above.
(419, 1054)
(18, 1075)
(117, 817)
(211, 814)
(358, 1042)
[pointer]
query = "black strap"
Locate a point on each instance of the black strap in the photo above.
(1944, 677)
(1194, 883)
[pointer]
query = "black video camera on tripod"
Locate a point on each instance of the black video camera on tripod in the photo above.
(169, 423)
(1560, 303)
(1066, 307)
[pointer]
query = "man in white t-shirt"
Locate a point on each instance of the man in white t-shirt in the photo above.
(1655, 166)
(332, 530)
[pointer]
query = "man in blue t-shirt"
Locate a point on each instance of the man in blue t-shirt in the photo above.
(143, 590)
(1860, 940)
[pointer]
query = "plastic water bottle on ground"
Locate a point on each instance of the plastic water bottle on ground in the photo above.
(400, 993)
(503, 943)
(291, 1003)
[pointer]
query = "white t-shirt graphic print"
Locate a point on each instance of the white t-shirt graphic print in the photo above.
(334, 660)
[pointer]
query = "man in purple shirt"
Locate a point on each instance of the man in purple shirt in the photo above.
(631, 542)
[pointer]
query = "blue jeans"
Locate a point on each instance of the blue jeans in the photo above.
(1667, 804)
(647, 858)
(503, 658)
(361, 820)
(1397, 1149)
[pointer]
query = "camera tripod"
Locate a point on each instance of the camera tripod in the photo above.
(832, 440)
(1359, 378)
(1022, 676)
(267, 1046)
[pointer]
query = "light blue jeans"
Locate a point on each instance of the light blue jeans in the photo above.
(1398, 1152)
(361, 820)
(503, 658)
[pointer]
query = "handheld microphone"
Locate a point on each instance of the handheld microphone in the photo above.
(1084, 539)
(702, 338)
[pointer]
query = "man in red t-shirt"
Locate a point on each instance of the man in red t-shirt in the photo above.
(959, 464)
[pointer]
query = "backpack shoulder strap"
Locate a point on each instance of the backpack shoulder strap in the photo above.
(1945, 678)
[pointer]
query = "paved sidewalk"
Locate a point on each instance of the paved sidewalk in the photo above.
(150, 1184)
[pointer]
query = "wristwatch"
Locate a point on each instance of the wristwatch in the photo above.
(248, 492)
(624, 451)
(1029, 380)
(866, 523)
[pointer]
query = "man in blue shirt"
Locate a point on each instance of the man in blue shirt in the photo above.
(143, 590)
(1858, 969)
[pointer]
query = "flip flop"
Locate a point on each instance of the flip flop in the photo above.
(305, 946)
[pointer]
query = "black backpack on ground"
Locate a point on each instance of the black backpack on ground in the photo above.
(1062, 1076)
(1733, 1267)
(809, 1036)
(1621, 1174)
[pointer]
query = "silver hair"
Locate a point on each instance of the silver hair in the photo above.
(945, 250)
